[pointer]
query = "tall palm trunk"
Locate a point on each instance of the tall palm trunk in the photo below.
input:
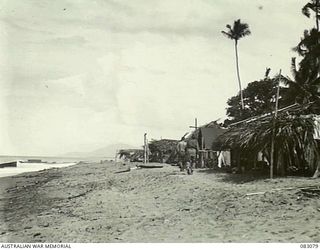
(238, 73)
(317, 25)
(317, 14)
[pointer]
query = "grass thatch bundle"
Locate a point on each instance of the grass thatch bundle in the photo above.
(162, 150)
(131, 154)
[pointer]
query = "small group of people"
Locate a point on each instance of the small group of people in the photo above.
(187, 153)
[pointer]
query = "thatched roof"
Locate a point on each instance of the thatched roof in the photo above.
(289, 130)
(293, 132)
(163, 145)
(163, 150)
(130, 152)
(293, 109)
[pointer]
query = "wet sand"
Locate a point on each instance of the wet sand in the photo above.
(92, 203)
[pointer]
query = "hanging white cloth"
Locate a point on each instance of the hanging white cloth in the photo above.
(220, 159)
(316, 134)
(224, 158)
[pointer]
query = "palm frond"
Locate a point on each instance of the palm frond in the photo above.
(306, 10)
(293, 67)
(237, 31)
(227, 34)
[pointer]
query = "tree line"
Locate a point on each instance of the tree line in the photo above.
(302, 87)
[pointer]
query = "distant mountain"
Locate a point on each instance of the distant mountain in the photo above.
(108, 151)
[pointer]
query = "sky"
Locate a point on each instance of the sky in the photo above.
(78, 75)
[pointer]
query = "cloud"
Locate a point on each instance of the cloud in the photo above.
(173, 17)
(98, 72)
(78, 41)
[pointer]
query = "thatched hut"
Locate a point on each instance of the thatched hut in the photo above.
(210, 148)
(132, 155)
(296, 144)
(163, 150)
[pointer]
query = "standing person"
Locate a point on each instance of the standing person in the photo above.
(181, 148)
(192, 150)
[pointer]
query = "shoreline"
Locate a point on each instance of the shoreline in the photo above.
(92, 203)
(32, 167)
(8, 158)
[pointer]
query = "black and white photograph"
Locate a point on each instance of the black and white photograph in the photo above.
(159, 121)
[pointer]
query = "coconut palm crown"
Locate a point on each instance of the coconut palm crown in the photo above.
(238, 31)
(313, 5)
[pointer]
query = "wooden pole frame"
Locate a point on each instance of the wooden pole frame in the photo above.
(145, 148)
(195, 124)
(273, 129)
(199, 154)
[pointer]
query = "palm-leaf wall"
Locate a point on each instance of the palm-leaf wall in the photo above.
(293, 137)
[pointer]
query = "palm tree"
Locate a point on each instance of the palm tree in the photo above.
(306, 80)
(308, 43)
(309, 49)
(313, 5)
(239, 30)
(303, 88)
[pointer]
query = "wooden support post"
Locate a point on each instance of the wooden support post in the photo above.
(116, 156)
(195, 129)
(145, 148)
(255, 156)
(239, 169)
(271, 156)
(195, 124)
(202, 154)
(273, 129)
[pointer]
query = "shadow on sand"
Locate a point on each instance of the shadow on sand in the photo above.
(224, 176)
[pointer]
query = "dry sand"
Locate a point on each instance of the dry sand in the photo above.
(90, 203)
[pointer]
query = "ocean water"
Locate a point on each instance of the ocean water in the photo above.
(47, 162)
(51, 159)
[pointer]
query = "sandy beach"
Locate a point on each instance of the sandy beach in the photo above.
(93, 203)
